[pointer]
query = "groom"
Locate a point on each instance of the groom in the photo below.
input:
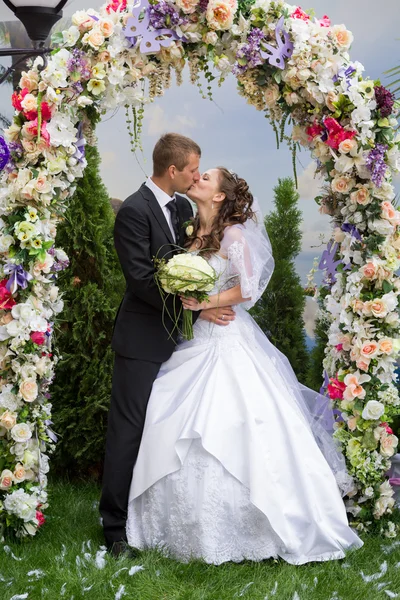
(149, 223)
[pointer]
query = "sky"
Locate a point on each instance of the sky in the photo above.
(234, 134)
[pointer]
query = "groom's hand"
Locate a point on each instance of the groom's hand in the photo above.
(219, 316)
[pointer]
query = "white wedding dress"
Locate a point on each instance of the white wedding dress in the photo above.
(233, 465)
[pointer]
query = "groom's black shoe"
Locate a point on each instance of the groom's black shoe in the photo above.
(121, 549)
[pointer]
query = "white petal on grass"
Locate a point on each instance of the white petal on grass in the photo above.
(37, 573)
(273, 591)
(100, 561)
(119, 571)
(380, 586)
(345, 566)
(86, 546)
(315, 581)
(8, 550)
(19, 596)
(120, 593)
(246, 587)
(136, 569)
(296, 596)
(391, 594)
(62, 554)
(375, 576)
(388, 549)
(86, 589)
(63, 588)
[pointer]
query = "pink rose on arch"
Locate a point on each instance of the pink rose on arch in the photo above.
(16, 98)
(115, 5)
(336, 389)
(388, 445)
(387, 428)
(325, 21)
(40, 518)
(363, 364)
(38, 337)
(30, 129)
(369, 270)
(336, 133)
(369, 349)
(300, 14)
(313, 130)
(45, 111)
(390, 213)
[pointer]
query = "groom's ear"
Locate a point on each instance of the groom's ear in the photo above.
(172, 171)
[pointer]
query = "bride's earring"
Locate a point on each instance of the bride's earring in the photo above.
(212, 205)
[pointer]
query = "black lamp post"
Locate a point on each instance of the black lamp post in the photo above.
(38, 18)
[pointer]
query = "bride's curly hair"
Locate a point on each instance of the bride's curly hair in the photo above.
(234, 209)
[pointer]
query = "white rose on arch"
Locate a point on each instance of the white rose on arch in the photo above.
(29, 390)
(220, 14)
(373, 410)
(21, 432)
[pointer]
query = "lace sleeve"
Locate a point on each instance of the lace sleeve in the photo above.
(249, 258)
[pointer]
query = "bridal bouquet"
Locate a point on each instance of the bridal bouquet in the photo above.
(187, 275)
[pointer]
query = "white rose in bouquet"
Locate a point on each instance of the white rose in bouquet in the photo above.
(188, 275)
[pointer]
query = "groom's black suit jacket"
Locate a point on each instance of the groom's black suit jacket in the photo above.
(141, 232)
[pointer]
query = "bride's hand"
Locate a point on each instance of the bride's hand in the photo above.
(193, 304)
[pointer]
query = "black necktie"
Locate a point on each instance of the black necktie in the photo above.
(173, 209)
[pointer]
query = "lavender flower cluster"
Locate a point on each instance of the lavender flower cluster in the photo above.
(163, 15)
(250, 52)
(375, 162)
(78, 63)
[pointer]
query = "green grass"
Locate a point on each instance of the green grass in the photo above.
(63, 557)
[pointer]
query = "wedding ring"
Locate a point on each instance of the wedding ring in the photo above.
(223, 317)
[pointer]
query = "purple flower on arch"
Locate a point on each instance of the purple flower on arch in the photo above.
(375, 162)
(384, 100)
(4, 153)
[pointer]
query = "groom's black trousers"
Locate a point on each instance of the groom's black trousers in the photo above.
(131, 387)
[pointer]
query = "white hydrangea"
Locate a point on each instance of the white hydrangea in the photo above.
(21, 504)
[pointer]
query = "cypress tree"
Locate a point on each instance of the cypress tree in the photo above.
(279, 312)
(92, 289)
(314, 378)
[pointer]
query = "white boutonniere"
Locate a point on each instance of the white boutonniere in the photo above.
(189, 230)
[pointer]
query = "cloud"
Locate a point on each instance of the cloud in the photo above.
(159, 122)
(309, 184)
(316, 235)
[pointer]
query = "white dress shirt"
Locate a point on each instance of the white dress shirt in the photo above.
(162, 199)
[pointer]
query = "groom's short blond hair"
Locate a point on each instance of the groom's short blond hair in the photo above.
(173, 149)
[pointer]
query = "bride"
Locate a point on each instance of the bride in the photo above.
(235, 463)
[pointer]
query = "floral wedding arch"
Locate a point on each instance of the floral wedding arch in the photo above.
(297, 70)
